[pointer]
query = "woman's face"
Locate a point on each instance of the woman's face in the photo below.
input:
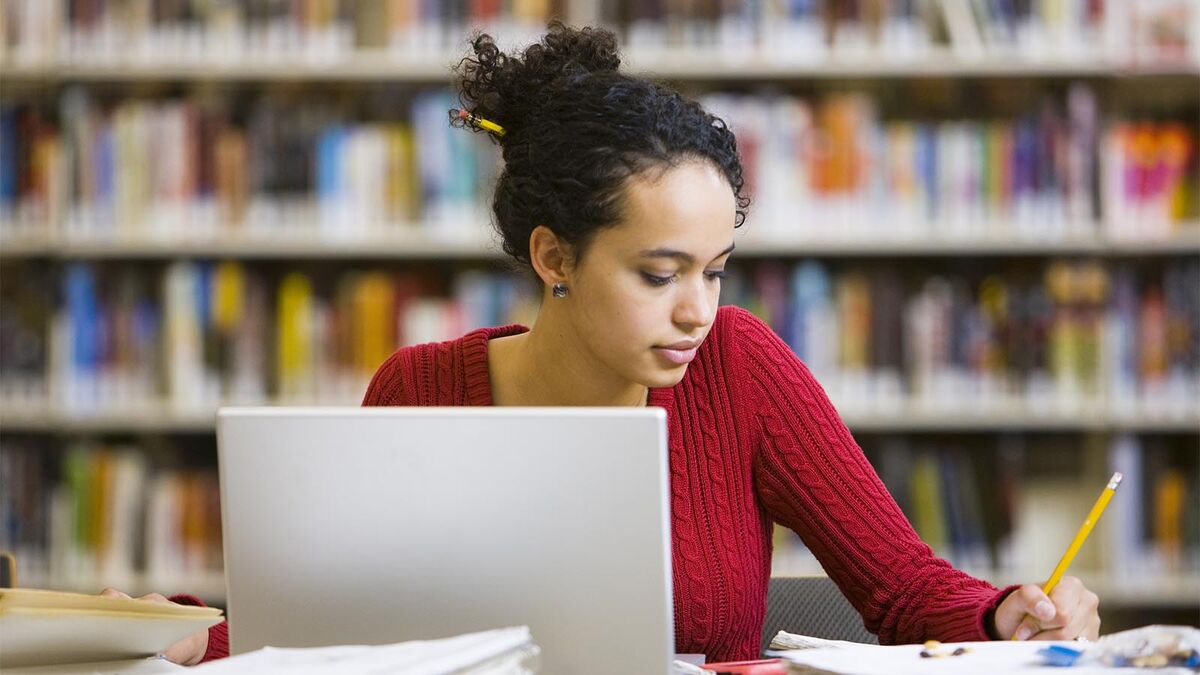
(645, 293)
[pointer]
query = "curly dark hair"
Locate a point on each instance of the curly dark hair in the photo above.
(576, 129)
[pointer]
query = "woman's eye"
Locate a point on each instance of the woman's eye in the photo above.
(716, 274)
(655, 280)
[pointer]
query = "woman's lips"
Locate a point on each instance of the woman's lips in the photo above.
(678, 356)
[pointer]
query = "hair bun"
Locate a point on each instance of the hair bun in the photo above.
(564, 49)
(507, 89)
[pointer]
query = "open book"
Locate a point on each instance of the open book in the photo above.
(46, 627)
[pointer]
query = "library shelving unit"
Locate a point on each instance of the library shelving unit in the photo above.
(963, 69)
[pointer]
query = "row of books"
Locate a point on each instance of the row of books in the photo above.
(835, 164)
(184, 166)
(201, 333)
(116, 513)
(812, 28)
(1060, 339)
(93, 31)
(189, 166)
(44, 30)
(1068, 337)
(1009, 506)
(899, 29)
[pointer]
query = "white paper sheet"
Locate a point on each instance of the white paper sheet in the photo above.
(845, 658)
(428, 657)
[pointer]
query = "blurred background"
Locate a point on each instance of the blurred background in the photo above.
(977, 221)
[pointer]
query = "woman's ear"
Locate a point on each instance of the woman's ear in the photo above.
(550, 256)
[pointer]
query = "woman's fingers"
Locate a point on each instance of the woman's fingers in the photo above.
(1031, 610)
(188, 651)
(149, 597)
(1078, 613)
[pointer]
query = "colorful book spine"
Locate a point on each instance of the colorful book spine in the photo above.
(1151, 178)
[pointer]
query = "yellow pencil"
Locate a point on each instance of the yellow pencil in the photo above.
(1084, 531)
(1082, 534)
(477, 121)
(490, 126)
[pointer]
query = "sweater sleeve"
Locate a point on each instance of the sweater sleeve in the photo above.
(218, 635)
(812, 477)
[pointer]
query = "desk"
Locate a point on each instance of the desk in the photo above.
(134, 667)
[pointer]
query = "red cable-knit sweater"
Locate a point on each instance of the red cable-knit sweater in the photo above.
(752, 440)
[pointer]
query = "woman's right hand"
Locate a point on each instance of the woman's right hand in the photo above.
(188, 651)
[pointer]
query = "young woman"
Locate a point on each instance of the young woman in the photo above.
(623, 196)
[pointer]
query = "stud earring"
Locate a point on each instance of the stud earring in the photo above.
(559, 290)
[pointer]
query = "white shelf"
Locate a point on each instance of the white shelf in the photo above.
(166, 418)
(919, 420)
(1186, 239)
(699, 64)
(361, 66)
(141, 419)
(25, 245)
(417, 243)
(401, 244)
(209, 586)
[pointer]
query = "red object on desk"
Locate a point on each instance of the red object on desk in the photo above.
(759, 667)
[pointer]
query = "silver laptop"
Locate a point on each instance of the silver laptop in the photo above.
(380, 525)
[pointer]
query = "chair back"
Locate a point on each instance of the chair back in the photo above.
(812, 606)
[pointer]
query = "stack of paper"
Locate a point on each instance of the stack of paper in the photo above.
(507, 651)
(46, 627)
(814, 655)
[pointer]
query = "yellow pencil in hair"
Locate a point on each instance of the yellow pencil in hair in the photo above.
(476, 121)
(1081, 535)
(490, 126)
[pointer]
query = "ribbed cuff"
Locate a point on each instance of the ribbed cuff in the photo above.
(987, 617)
(218, 642)
(218, 635)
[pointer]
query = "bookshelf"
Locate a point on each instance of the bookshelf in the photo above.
(1111, 81)
(22, 415)
(409, 242)
(672, 64)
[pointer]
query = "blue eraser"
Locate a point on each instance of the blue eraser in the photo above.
(1058, 655)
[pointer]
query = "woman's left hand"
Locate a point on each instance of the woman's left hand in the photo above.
(1070, 612)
